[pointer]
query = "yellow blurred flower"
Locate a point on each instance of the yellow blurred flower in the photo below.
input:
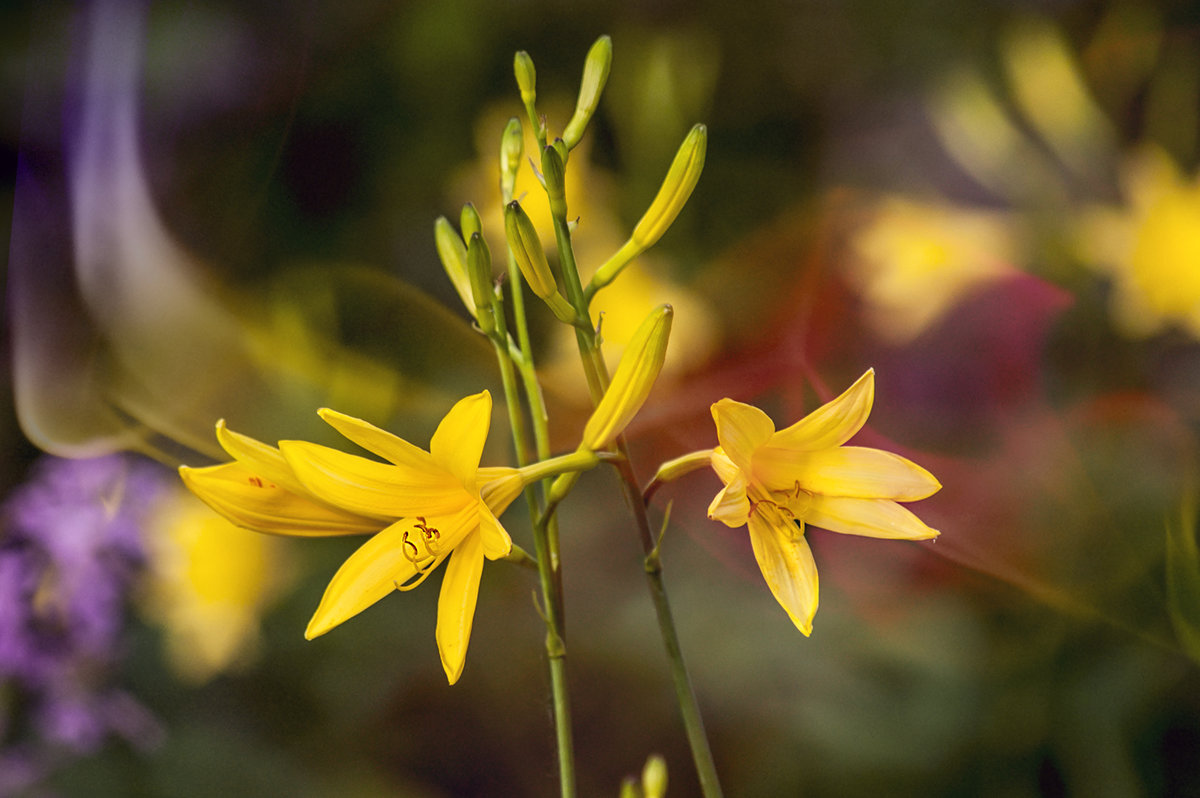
(422, 505)
(915, 261)
(209, 584)
(1151, 248)
(777, 481)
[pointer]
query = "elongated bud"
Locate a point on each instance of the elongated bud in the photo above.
(676, 188)
(554, 175)
(470, 223)
(526, 77)
(672, 196)
(453, 254)
(654, 777)
(479, 267)
(595, 75)
(512, 147)
(635, 376)
(527, 249)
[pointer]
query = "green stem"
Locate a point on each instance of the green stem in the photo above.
(598, 379)
(685, 695)
(545, 529)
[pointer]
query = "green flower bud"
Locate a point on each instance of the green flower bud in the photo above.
(631, 384)
(526, 77)
(479, 267)
(595, 75)
(527, 249)
(654, 777)
(554, 175)
(453, 254)
(512, 147)
(470, 222)
(672, 196)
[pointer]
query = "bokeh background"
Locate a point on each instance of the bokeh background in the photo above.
(226, 209)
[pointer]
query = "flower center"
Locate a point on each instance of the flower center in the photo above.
(789, 505)
(421, 543)
(422, 547)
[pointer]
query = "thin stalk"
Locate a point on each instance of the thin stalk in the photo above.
(544, 529)
(598, 379)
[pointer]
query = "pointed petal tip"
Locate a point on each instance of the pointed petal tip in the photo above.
(315, 629)
(452, 676)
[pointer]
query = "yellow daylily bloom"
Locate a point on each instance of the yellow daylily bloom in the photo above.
(778, 481)
(422, 506)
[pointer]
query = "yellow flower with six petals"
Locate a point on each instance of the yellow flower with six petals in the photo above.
(423, 507)
(778, 481)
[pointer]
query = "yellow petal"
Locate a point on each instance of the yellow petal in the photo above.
(378, 441)
(833, 423)
(876, 518)
(373, 571)
(741, 429)
(456, 605)
(726, 469)
(458, 442)
(787, 566)
(258, 457)
(496, 542)
(372, 488)
(253, 502)
(731, 506)
(853, 471)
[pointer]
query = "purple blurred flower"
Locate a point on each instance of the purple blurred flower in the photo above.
(70, 551)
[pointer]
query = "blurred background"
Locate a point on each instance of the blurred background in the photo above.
(225, 210)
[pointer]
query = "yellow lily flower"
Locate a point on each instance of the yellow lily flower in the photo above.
(422, 506)
(777, 481)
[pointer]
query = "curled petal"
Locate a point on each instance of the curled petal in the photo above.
(787, 566)
(853, 471)
(456, 605)
(372, 488)
(458, 442)
(726, 469)
(833, 423)
(741, 429)
(876, 518)
(378, 441)
(253, 502)
(731, 506)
